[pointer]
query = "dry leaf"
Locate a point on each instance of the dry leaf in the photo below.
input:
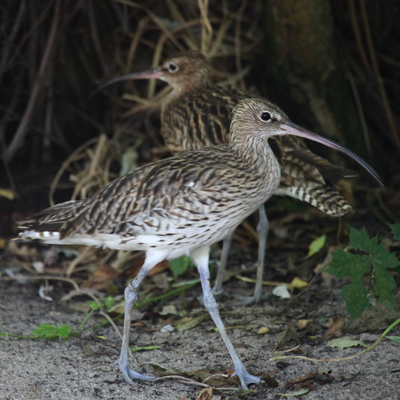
(335, 326)
(101, 278)
(286, 336)
(206, 394)
(304, 323)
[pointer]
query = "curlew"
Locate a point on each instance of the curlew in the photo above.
(181, 205)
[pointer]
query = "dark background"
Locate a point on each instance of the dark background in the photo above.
(332, 66)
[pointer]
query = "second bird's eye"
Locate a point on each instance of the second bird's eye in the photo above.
(265, 116)
(172, 67)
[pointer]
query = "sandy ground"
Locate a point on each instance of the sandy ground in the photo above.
(81, 367)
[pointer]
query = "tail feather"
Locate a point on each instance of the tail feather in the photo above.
(52, 219)
(325, 198)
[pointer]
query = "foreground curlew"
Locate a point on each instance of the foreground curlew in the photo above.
(181, 205)
(197, 114)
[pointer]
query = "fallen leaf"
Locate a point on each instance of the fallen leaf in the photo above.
(282, 292)
(161, 281)
(206, 394)
(345, 376)
(316, 245)
(188, 323)
(298, 393)
(101, 278)
(171, 309)
(286, 336)
(335, 326)
(133, 349)
(7, 193)
(24, 251)
(395, 338)
(167, 329)
(345, 342)
(304, 323)
(302, 378)
(263, 330)
(297, 283)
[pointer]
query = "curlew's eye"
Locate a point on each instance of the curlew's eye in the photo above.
(265, 116)
(172, 67)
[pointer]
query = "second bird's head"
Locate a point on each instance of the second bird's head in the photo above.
(186, 69)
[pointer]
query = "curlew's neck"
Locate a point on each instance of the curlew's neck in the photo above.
(183, 87)
(256, 155)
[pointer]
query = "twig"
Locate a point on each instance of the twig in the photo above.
(206, 28)
(237, 40)
(95, 38)
(77, 260)
(386, 105)
(11, 37)
(37, 86)
(64, 166)
(359, 106)
(41, 277)
(357, 34)
(366, 350)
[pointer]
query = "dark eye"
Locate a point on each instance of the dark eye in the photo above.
(265, 116)
(172, 67)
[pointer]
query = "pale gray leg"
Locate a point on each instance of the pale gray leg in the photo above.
(131, 293)
(262, 230)
(217, 289)
(200, 258)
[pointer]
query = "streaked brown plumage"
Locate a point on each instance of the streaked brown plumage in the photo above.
(178, 206)
(197, 113)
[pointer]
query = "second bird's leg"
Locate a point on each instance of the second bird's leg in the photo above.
(131, 293)
(200, 257)
(262, 230)
(226, 245)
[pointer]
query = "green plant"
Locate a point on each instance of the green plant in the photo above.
(365, 256)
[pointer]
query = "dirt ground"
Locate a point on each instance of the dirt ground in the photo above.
(81, 367)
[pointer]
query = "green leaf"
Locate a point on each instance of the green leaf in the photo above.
(360, 240)
(63, 331)
(133, 349)
(356, 265)
(108, 302)
(395, 230)
(345, 342)
(356, 299)
(385, 284)
(129, 160)
(180, 265)
(316, 245)
(46, 331)
(346, 264)
(395, 338)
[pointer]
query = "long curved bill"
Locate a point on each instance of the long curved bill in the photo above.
(296, 130)
(153, 73)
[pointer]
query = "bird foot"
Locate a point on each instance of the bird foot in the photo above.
(129, 374)
(246, 300)
(246, 378)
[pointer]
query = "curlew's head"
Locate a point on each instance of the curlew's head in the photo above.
(185, 71)
(258, 118)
